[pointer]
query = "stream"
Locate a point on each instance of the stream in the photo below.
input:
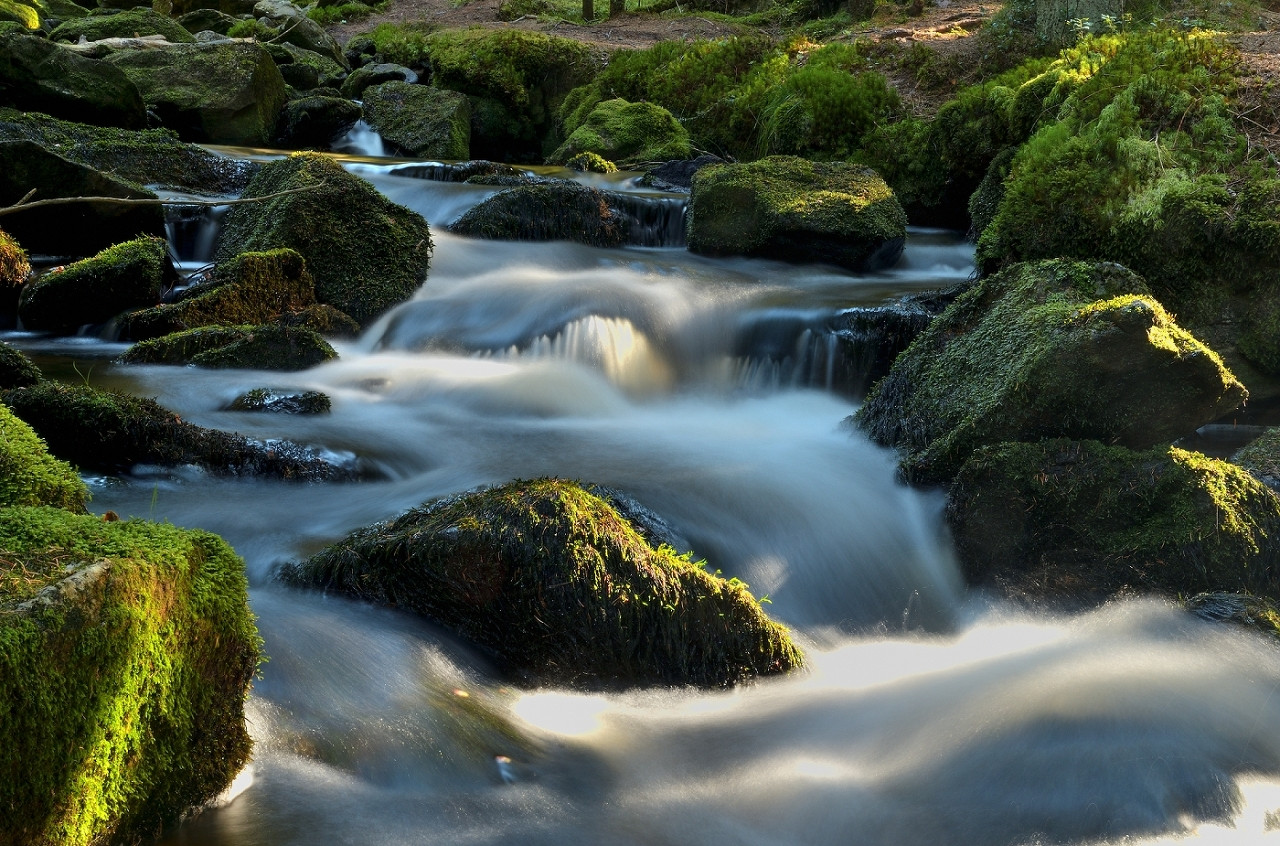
(712, 391)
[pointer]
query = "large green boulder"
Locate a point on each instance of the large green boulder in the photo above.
(250, 288)
(306, 69)
(37, 75)
(74, 229)
(557, 584)
(1080, 521)
(106, 432)
(130, 23)
(1042, 350)
(126, 653)
(220, 93)
(365, 253)
(630, 134)
(268, 347)
(307, 34)
(96, 289)
(145, 157)
(548, 211)
(424, 122)
(29, 475)
(796, 210)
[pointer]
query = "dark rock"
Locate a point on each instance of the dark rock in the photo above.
(376, 74)
(317, 121)
(281, 402)
(37, 75)
(424, 122)
(548, 212)
(96, 289)
(268, 347)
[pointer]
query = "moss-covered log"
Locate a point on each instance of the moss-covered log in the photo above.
(558, 585)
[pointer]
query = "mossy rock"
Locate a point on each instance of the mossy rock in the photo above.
(14, 266)
(591, 163)
(306, 69)
(106, 432)
(27, 17)
(305, 33)
(424, 122)
(75, 229)
(64, 10)
(788, 208)
(375, 74)
(282, 402)
(548, 211)
(37, 75)
(1043, 350)
(147, 157)
(16, 370)
(235, 8)
(1255, 613)
(219, 93)
(628, 133)
(559, 586)
(1080, 521)
(96, 289)
(361, 270)
(316, 121)
(29, 475)
(1261, 457)
(251, 288)
(267, 347)
(126, 653)
(207, 20)
(325, 319)
(130, 23)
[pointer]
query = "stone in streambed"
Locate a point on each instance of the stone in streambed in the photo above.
(267, 347)
(548, 211)
(422, 121)
(37, 75)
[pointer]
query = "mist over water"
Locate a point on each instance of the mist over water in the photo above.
(926, 716)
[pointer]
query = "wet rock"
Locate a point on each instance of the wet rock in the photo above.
(317, 121)
(627, 133)
(268, 347)
(281, 402)
(548, 212)
(96, 289)
(422, 121)
(361, 270)
(678, 175)
(129, 23)
(1044, 350)
(788, 208)
(325, 319)
(224, 93)
(16, 370)
(559, 586)
(1078, 522)
(1256, 613)
(370, 75)
(1262, 458)
(37, 75)
(207, 20)
(469, 172)
(305, 69)
(106, 432)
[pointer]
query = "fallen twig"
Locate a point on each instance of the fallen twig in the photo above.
(23, 205)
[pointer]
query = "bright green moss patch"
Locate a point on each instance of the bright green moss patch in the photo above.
(630, 133)
(123, 681)
(591, 163)
(21, 13)
(96, 289)
(29, 475)
(128, 23)
(1079, 520)
(1041, 350)
(16, 370)
(555, 582)
(14, 266)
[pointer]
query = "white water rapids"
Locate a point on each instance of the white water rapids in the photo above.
(928, 716)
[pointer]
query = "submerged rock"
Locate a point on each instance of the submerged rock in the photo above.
(556, 583)
(102, 431)
(267, 347)
(548, 211)
(37, 75)
(424, 122)
(281, 402)
(791, 209)
(363, 269)
(97, 289)
(126, 653)
(627, 133)
(1043, 350)
(1080, 521)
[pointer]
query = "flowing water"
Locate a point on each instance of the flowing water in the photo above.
(712, 391)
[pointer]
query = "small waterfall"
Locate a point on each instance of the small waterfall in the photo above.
(613, 346)
(361, 140)
(657, 221)
(192, 232)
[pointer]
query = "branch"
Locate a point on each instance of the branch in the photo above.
(23, 205)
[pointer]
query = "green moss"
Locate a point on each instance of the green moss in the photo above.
(1040, 350)
(281, 402)
(42, 76)
(16, 370)
(14, 266)
(629, 133)
(591, 163)
(352, 11)
(361, 270)
(823, 112)
(324, 319)
(794, 209)
(268, 347)
(1083, 520)
(1261, 457)
(124, 685)
(129, 23)
(547, 212)
(96, 289)
(26, 16)
(554, 581)
(424, 122)
(29, 475)
(249, 288)
(252, 28)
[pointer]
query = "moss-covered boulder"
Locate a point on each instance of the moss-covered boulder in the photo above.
(130, 23)
(16, 370)
(361, 269)
(282, 402)
(14, 266)
(1080, 521)
(306, 69)
(548, 211)
(268, 347)
(249, 289)
(591, 163)
(25, 15)
(207, 20)
(559, 586)
(1261, 457)
(96, 289)
(37, 75)
(788, 208)
(375, 74)
(316, 121)
(126, 653)
(630, 134)
(221, 93)
(299, 31)
(325, 319)
(74, 229)
(235, 8)
(146, 157)
(106, 432)
(29, 475)
(423, 122)
(1043, 350)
